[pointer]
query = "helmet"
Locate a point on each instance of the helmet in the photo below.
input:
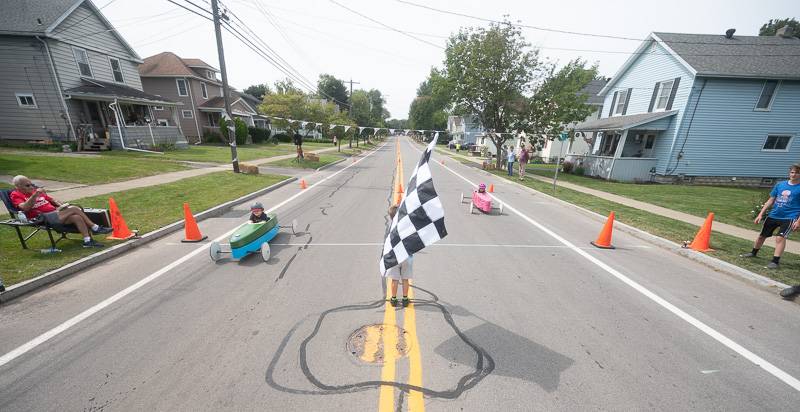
(482, 186)
(257, 205)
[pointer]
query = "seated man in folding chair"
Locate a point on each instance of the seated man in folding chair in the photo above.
(35, 202)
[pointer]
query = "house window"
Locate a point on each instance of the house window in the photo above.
(203, 90)
(163, 122)
(26, 100)
(158, 107)
(663, 93)
(622, 96)
(650, 141)
(777, 143)
(209, 74)
(767, 95)
(116, 68)
(212, 120)
(183, 90)
(82, 58)
(187, 114)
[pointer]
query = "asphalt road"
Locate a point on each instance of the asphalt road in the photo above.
(511, 312)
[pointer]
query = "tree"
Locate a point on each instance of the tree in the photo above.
(559, 101)
(771, 27)
(397, 124)
(286, 86)
(430, 109)
(330, 87)
(258, 90)
(378, 112)
(493, 72)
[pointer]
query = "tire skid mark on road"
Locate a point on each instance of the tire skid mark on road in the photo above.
(708, 330)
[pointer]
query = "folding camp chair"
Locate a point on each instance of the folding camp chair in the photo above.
(63, 230)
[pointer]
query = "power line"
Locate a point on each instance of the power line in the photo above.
(386, 25)
(552, 30)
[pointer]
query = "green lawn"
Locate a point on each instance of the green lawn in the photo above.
(732, 205)
(725, 247)
(145, 209)
(324, 159)
(220, 153)
(81, 169)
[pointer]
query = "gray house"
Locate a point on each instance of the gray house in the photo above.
(194, 83)
(67, 75)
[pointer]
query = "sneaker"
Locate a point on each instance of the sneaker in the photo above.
(92, 243)
(406, 301)
(103, 230)
(771, 265)
(393, 302)
(790, 292)
(747, 255)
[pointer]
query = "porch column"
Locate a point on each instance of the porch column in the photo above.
(618, 151)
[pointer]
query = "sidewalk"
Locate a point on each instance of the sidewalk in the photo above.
(792, 246)
(68, 191)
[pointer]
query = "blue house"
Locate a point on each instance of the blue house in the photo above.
(700, 108)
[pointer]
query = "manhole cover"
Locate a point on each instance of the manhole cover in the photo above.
(367, 343)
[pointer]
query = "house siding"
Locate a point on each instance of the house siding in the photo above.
(727, 136)
(24, 68)
(167, 88)
(85, 30)
(642, 76)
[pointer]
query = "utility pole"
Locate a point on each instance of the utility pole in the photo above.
(225, 90)
(351, 109)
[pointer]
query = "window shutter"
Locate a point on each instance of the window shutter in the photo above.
(627, 100)
(613, 103)
(672, 93)
(653, 99)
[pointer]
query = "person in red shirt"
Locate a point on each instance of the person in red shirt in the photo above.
(35, 202)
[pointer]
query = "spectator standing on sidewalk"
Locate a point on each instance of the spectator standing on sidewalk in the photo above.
(524, 157)
(785, 202)
(512, 157)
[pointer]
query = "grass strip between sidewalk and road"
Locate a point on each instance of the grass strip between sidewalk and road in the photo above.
(324, 159)
(88, 169)
(145, 209)
(218, 153)
(731, 205)
(726, 248)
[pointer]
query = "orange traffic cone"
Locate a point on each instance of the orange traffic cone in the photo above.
(703, 236)
(491, 188)
(400, 188)
(303, 184)
(120, 228)
(190, 227)
(604, 238)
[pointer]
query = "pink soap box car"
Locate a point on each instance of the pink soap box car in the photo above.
(482, 201)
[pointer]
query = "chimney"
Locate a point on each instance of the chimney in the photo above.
(786, 32)
(729, 33)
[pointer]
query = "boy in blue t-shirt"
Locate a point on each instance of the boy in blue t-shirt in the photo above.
(785, 202)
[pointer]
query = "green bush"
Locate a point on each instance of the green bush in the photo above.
(282, 137)
(212, 137)
(259, 135)
(579, 171)
(165, 147)
(241, 131)
(566, 167)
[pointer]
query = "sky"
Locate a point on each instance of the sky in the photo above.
(391, 46)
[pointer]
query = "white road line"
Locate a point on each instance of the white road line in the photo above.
(44, 337)
(447, 245)
(752, 357)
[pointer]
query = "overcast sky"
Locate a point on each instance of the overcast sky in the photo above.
(319, 36)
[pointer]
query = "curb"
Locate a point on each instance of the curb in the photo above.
(712, 262)
(19, 289)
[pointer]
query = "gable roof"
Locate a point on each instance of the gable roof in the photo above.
(199, 63)
(43, 18)
(169, 64)
(592, 89)
(755, 57)
(771, 57)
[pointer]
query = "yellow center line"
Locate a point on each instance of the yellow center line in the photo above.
(371, 344)
(386, 399)
(415, 401)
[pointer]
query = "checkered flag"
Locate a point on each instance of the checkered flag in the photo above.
(419, 220)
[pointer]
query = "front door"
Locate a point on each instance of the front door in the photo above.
(649, 144)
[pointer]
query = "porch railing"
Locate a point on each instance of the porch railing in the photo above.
(623, 169)
(139, 137)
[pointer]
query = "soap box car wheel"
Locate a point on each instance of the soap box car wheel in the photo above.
(501, 208)
(294, 227)
(265, 252)
(462, 198)
(214, 250)
(471, 206)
